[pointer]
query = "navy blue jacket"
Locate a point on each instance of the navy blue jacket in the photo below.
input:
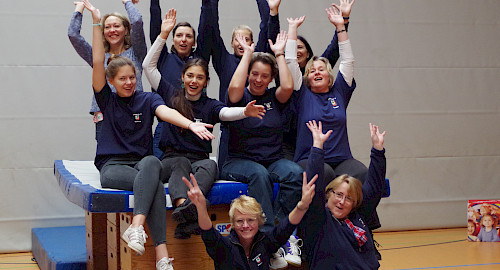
(170, 64)
(328, 242)
(225, 63)
(228, 253)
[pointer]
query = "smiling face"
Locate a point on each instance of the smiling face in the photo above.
(238, 50)
(487, 221)
(194, 79)
(259, 78)
(340, 208)
(318, 77)
(184, 41)
(124, 81)
(245, 225)
(302, 53)
(114, 31)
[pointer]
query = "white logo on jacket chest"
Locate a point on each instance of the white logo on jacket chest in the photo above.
(257, 259)
(268, 106)
(137, 117)
(334, 103)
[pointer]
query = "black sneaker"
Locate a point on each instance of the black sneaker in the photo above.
(185, 230)
(185, 212)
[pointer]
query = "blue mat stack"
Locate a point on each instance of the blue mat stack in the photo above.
(59, 248)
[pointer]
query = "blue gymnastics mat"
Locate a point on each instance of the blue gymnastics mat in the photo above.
(59, 248)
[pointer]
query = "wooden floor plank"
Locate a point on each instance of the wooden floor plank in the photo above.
(17, 261)
(425, 249)
(436, 249)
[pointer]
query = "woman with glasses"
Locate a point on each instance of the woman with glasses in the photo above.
(334, 229)
(247, 247)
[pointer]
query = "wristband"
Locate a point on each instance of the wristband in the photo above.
(343, 30)
(97, 24)
(346, 18)
(279, 54)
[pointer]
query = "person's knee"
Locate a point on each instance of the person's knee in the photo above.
(211, 167)
(151, 162)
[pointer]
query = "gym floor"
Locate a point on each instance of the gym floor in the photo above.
(424, 249)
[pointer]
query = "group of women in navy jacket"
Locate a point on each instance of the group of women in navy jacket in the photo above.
(251, 147)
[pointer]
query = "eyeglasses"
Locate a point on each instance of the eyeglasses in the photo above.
(249, 221)
(339, 196)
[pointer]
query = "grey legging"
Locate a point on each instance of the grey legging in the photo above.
(143, 178)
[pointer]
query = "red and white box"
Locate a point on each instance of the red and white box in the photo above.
(483, 220)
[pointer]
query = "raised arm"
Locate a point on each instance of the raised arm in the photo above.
(308, 190)
(291, 51)
(332, 51)
(151, 60)
(238, 81)
(137, 30)
(285, 89)
(269, 23)
(198, 199)
(98, 70)
(347, 59)
(82, 47)
(204, 40)
(374, 183)
(155, 20)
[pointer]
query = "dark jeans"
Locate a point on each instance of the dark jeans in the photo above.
(205, 172)
(156, 141)
(260, 185)
(143, 178)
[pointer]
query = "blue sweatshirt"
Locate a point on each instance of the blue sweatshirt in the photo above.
(259, 140)
(331, 109)
(328, 242)
(127, 125)
(205, 110)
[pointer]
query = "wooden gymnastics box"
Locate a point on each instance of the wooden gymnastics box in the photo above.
(479, 214)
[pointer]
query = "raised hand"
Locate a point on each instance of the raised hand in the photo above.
(295, 22)
(345, 7)
(168, 23)
(317, 133)
(252, 110)
(279, 45)
(79, 6)
(335, 15)
(200, 129)
(194, 193)
(96, 14)
(246, 48)
(377, 137)
(274, 6)
(308, 190)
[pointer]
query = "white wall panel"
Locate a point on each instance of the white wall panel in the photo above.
(428, 72)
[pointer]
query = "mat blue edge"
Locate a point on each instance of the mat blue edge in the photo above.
(106, 201)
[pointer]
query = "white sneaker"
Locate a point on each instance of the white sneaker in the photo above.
(277, 261)
(135, 238)
(292, 255)
(165, 264)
